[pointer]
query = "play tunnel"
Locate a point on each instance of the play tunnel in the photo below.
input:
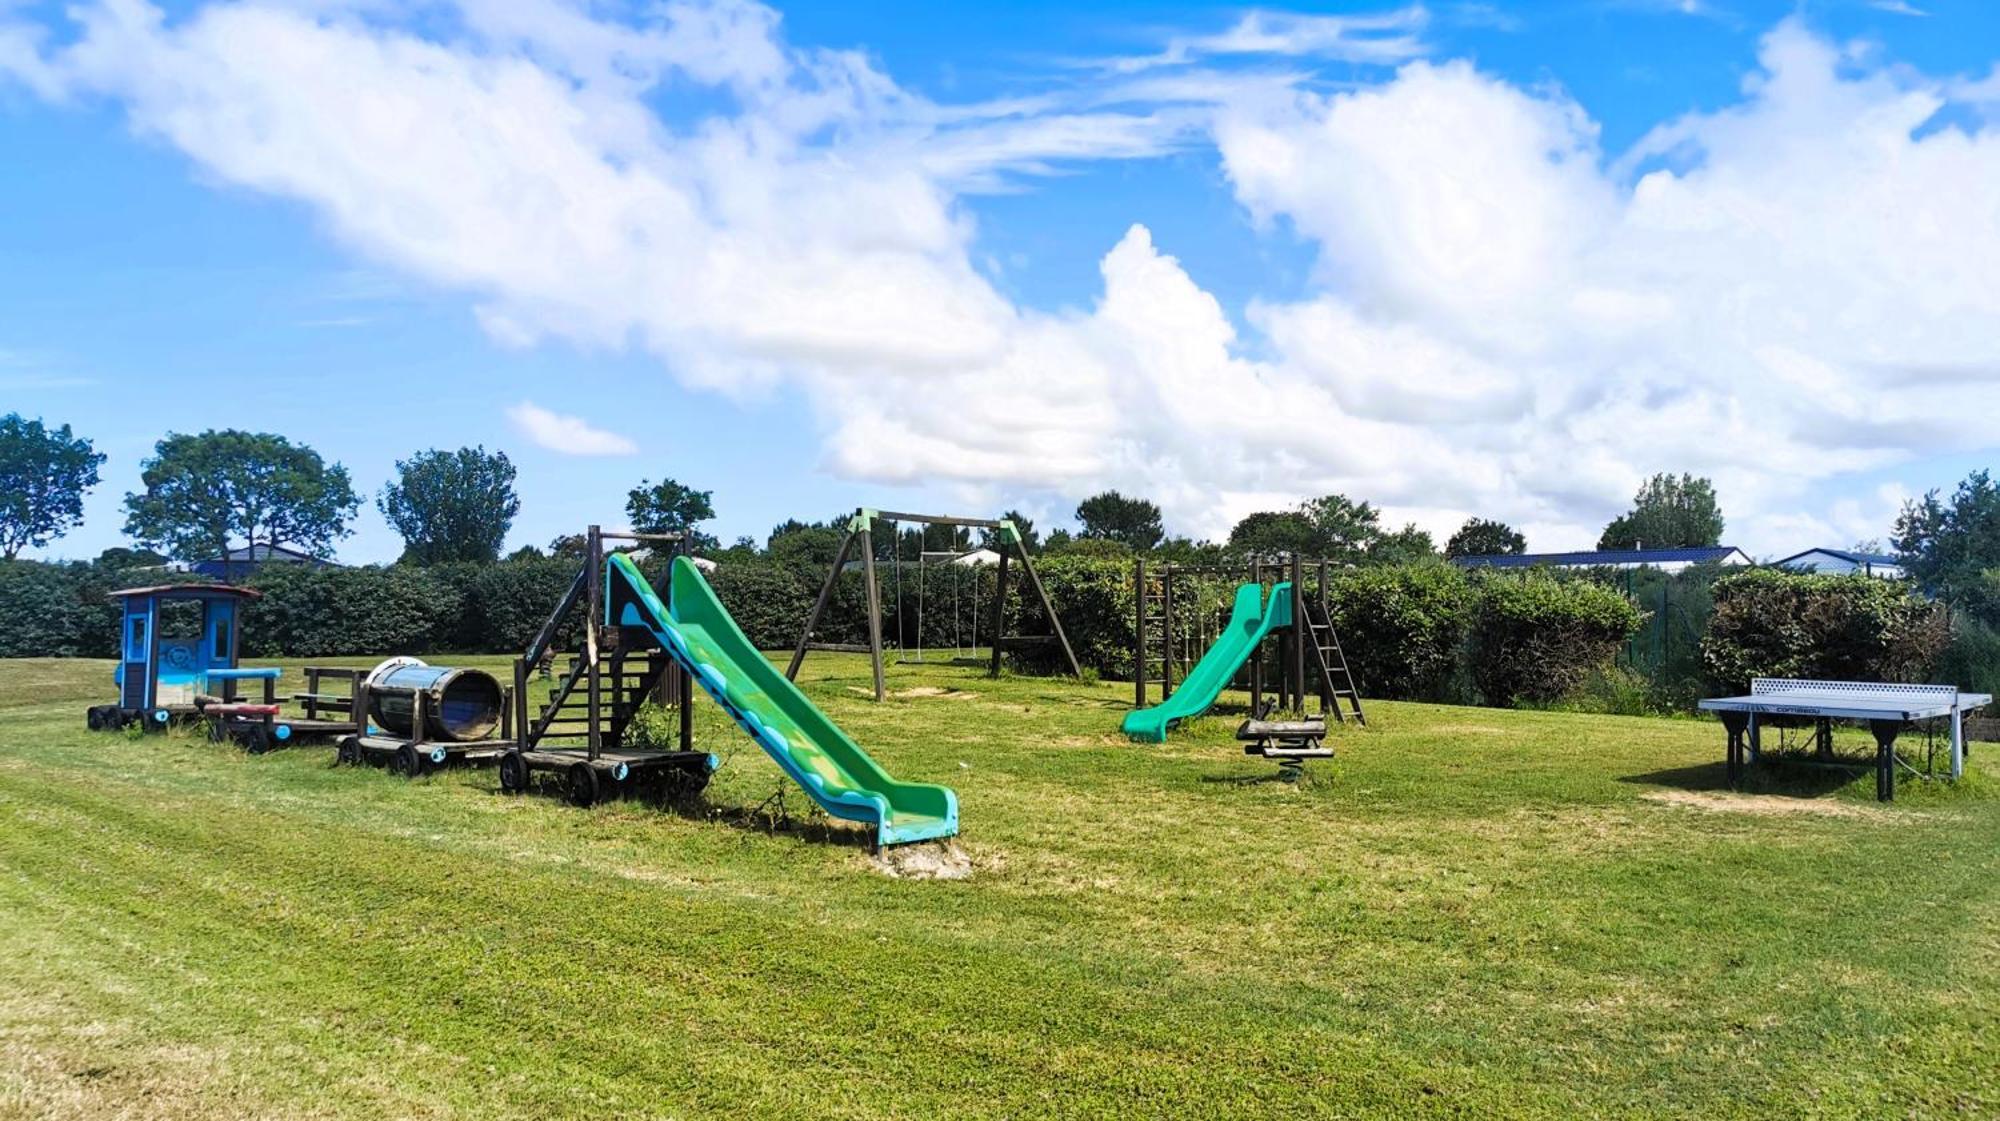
(460, 705)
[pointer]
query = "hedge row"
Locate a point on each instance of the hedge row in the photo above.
(1421, 631)
(1772, 623)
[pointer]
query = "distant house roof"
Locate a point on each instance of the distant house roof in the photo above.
(1611, 558)
(188, 591)
(250, 556)
(1858, 560)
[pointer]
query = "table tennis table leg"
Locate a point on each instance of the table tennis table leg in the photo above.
(1885, 757)
(1734, 723)
(1756, 739)
(1957, 744)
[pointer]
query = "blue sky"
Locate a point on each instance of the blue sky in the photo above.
(176, 254)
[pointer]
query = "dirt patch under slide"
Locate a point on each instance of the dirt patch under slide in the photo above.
(929, 860)
(1766, 805)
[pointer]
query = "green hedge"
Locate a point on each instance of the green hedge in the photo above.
(1405, 629)
(1772, 623)
(1537, 637)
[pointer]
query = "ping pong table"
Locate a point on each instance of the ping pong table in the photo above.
(1885, 707)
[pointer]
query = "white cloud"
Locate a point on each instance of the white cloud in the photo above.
(1382, 38)
(566, 434)
(1505, 319)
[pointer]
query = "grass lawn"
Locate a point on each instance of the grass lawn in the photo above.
(1470, 913)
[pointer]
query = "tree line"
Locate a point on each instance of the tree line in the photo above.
(203, 493)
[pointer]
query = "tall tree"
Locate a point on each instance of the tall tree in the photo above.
(204, 491)
(1949, 545)
(1479, 537)
(669, 507)
(1408, 545)
(1133, 522)
(1031, 540)
(1346, 528)
(44, 474)
(1276, 531)
(451, 506)
(1669, 512)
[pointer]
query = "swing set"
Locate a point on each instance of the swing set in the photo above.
(860, 536)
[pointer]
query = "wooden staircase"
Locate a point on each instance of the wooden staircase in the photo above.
(627, 680)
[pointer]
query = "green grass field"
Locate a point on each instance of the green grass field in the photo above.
(1470, 913)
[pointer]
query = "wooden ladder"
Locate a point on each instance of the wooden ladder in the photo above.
(1336, 681)
(627, 680)
(1152, 668)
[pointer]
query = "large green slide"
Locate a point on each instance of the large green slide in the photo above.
(1251, 620)
(831, 768)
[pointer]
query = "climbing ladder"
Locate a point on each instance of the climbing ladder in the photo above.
(1336, 682)
(1154, 665)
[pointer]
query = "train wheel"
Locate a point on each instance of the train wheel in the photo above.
(582, 785)
(255, 738)
(348, 751)
(407, 762)
(218, 729)
(513, 773)
(94, 717)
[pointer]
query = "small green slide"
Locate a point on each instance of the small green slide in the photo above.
(1250, 621)
(792, 730)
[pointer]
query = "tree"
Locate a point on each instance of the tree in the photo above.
(1030, 540)
(1408, 545)
(1346, 528)
(669, 507)
(1274, 531)
(1332, 526)
(569, 546)
(118, 556)
(1133, 522)
(812, 546)
(1669, 512)
(1948, 546)
(451, 506)
(44, 474)
(1479, 537)
(203, 491)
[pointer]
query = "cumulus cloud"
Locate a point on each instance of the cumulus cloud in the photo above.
(566, 434)
(1505, 319)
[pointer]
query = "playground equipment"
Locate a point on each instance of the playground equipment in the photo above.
(690, 638)
(1886, 708)
(961, 566)
(177, 649)
(860, 532)
(1310, 657)
(580, 732)
(160, 675)
(414, 717)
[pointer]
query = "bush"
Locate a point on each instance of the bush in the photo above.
(1402, 628)
(1972, 660)
(1773, 623)
(309, 613)
(44, 613)
(1536, 638)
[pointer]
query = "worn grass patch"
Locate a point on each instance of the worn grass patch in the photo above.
(1467, 914)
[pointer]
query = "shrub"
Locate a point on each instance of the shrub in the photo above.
(1773, 623)
(1972, 660)
(1402, 628)
(310, 613)
(1536, 638)
(43, 612)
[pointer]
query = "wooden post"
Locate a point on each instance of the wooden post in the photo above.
(312, 693)
(357, 703)
(1298, 666)
(874, 606)
(1138, 631)
(819, 606)
(1257, 652)
(687, 714)
(1167, 631)
(520, 700)
(999, 611)
(593, 565)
